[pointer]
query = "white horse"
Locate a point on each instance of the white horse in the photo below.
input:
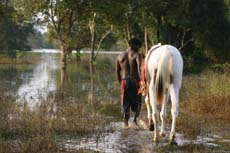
(163, 75)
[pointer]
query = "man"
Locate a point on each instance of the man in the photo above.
(128, 74)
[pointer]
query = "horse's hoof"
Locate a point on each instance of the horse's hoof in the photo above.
(172, 140)
(155, 140)
(162, 134)
(173, 143)
(151, 127)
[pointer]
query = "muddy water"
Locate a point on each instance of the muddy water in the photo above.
(139, 139)
(34, 84)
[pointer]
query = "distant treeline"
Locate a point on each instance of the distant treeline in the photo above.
(38, 40)
(200, 29)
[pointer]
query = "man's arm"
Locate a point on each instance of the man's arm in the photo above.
(118, 70)
(138, 60)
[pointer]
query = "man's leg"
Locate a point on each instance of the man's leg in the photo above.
(126, 108)
(126, 112)
(138, 108)
(124, 104)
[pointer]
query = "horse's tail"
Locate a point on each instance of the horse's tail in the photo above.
(162, 75)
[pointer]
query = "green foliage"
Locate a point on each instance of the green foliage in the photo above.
(211, 28)
(13, 33)
(62, 17)
(200, 29)
(39, 40)
(221, 68)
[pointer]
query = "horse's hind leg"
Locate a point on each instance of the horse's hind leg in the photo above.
(154, 110)
(163, 113)
(174, 95)
(150, 122)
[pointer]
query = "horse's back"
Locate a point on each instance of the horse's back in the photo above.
(177, 61)
(176, 65)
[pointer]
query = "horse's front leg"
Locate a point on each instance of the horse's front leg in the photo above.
(163, 114)
(174, 93)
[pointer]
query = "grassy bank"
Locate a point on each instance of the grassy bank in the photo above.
(205, 108)
(21, 58)
(205, 102)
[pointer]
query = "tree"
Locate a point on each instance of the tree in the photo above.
(211, 28)
(99, 24)
(40, 40)
(61, 16)
(14, 32)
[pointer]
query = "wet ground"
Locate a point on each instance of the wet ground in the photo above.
(139, 140)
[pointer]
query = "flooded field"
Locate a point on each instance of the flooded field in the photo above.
(44, 108)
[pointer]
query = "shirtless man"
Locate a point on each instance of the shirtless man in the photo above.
(128, 74)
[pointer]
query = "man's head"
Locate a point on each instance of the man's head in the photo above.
(135, 44)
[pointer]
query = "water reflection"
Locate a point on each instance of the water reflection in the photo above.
(38, 84)
(82, 82)
(91, 90)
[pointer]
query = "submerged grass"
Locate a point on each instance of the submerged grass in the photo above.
(23, 130)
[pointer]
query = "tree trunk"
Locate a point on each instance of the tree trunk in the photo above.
(92, 46)
(146, 40)
(128, 37)
(63, 56)
(92, 30)
(63, 76)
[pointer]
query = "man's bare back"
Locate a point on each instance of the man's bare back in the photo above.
(128, 65)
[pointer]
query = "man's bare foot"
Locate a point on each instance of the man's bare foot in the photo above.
(126, 124)
(135, 121)
(135, 125)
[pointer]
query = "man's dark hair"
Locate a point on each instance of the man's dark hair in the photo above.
(135, 41)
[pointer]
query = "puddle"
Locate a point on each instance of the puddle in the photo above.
(133, 140)
(121, 140)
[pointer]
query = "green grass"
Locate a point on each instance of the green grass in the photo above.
(207, 93)
(21, 58)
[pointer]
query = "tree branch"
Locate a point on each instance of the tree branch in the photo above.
(186, 43)
(183, 43)
(101, 40)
